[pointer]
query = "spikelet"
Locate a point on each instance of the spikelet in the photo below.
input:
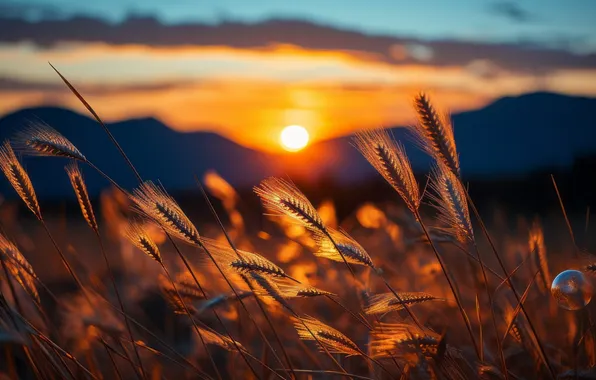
(538, 249)
(283, 198)
(334, 341)
(301, 291)
(247, 262)
(43, 140)
(215, 338)
(344, 246)
(435, 134)
(138, 236)
(406, 342)
(265, 286)
(18, 178)
(19, 267)
(390, 160)
(451, 202)
(80, 189)
(387, 302)
(156, 204)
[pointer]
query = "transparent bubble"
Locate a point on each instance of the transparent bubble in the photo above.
(571, 289)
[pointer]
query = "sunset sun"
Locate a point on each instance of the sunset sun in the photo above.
(293, 138)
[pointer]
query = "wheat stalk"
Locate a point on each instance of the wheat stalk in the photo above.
(138, 236)
(309, 328)
(43, 140)
(18, 178)
(387, 302)
(450, 200)
(154, 203)
(435, 134)
(389, 158)
(80, 189)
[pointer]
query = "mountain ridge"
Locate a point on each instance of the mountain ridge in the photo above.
(511, 136)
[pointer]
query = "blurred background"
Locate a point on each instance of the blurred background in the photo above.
(234, 91)
(190, 86)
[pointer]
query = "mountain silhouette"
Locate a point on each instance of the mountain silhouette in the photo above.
(510, 137)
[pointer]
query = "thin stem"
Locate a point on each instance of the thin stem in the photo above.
(451, 286)
(193, 322)
(131, 319)
(565, 215)
(515, 293)
(263, 310)
(120, 303)
(96, 116)
(492, 313)
(191, 271)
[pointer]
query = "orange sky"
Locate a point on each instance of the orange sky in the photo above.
(250, 95)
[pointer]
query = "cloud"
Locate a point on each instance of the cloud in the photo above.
(29, 10)
(19, 85)
(511, 10)
(151, 32)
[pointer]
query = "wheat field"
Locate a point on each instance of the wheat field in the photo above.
(417, 288)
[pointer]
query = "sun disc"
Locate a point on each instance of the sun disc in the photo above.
(294, 137)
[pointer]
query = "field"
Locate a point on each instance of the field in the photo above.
(132, 285)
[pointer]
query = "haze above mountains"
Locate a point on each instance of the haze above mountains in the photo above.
(509, 137)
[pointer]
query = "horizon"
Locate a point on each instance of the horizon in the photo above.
(248, 71)
(82, 112)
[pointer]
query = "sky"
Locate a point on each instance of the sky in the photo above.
(246, 69)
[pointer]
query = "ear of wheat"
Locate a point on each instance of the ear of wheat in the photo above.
(335, 342)
(139, 237)
(404, 341)
(344, 245)
(265, 286)
(18, 178)
(212, 337)
(538, 248)
(435, 134)
(43, 140)
(80, 189)
(243, 262)
(387, 302)
(302, 291)
(390, 160)
(154, 203)
(450, 200)
(283, 198)
(19, 267)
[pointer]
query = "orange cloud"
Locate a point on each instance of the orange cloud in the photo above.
(250, 95)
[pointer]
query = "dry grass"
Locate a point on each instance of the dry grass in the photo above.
(304, 299)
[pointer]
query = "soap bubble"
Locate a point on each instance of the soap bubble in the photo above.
(571, 289)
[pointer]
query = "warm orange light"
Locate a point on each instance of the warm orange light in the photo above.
(293, 138)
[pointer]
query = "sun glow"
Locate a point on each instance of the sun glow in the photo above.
(294, 137)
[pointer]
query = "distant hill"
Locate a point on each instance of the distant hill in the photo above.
(509, 137)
